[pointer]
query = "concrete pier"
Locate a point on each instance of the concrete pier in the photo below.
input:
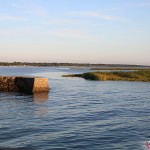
(23, 84)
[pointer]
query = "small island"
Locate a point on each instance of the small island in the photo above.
(139, 75)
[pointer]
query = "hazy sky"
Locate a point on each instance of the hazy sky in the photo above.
(83, 31)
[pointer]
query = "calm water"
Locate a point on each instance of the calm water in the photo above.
(76, 114)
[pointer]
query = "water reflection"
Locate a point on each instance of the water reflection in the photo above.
(41, 97)
(23, 103)
(41, 111)
(40, 100)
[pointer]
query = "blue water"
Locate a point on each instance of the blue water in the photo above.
(76, 114)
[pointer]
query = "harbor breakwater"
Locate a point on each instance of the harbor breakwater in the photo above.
(23, 84)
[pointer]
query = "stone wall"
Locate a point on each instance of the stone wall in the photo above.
(23, 84)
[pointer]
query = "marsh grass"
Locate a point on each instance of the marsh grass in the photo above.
(141, 75)
(121, 68)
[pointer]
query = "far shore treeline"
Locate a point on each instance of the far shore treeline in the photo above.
(55, 64)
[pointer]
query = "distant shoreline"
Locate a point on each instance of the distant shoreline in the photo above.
(45, 64)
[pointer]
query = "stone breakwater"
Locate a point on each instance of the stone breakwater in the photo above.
(23, 84)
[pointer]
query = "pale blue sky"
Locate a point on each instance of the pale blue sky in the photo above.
(82, 31)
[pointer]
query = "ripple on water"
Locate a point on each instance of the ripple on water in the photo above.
(76, 114)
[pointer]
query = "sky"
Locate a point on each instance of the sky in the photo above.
(75, 31)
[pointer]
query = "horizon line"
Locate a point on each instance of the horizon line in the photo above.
(74, 63)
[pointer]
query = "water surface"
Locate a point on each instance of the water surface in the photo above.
(75, 114)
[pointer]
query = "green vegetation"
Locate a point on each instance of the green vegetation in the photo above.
(55, 64)
(121, 68)
(141, 75)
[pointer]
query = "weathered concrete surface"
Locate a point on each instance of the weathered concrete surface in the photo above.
(8, 84)
(23, 84)
(40, 84)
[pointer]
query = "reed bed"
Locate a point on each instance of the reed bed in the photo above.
(140, 75)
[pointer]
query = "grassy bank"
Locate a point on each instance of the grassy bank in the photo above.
(141, 75)
(121, 68)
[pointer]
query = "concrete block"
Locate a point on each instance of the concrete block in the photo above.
(24, 84)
